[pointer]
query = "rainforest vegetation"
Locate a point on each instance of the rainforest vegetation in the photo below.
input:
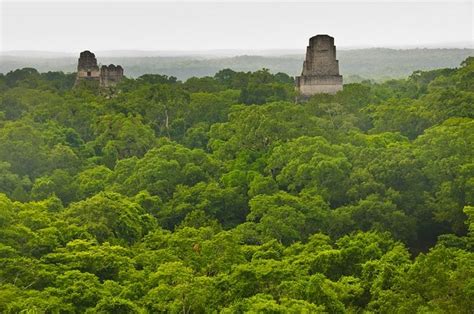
(230, 194)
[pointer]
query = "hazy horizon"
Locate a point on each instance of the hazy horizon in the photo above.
(200, 27)
(447, 45)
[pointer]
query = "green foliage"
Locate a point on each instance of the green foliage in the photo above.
(220, 194)
(110, 216)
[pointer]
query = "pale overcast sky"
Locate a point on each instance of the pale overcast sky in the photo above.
(73, 26)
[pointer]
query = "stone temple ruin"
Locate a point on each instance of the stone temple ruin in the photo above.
(320, 69)
(88, 70)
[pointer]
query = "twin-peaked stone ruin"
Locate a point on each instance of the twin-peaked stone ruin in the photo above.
(320, 69)
(88, 70)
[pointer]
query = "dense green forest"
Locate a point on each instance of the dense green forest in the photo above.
(224, 194)
(356, 65)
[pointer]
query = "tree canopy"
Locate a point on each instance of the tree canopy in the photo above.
(223, 194)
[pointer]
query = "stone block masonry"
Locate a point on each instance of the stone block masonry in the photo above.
(88, 70)
(320, 69)
(110, 75)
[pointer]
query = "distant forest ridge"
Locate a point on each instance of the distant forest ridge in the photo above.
(375, 63)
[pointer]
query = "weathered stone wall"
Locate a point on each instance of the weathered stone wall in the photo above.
(321, 57)
(88, 74)
(320, 69)
(310, 85)
(87, 60)
(88, 70)
(110, 75)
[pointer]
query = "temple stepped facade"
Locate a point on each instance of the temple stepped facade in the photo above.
(320, 69)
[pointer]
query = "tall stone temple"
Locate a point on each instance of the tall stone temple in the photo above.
(320, 69)
(88, 70)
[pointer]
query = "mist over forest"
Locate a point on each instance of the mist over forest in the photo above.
(356, 65)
